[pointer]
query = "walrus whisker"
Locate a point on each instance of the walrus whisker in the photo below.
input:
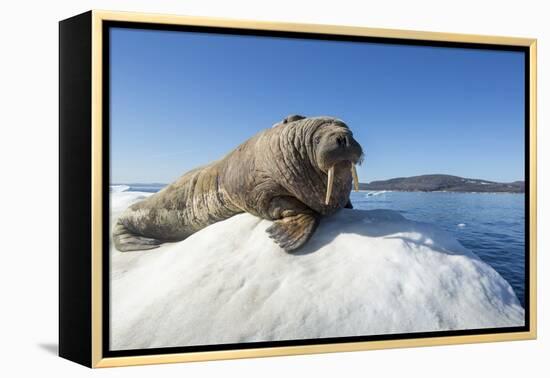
(330, 181)
(355, 178)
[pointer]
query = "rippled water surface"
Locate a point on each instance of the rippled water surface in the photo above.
(492, 225)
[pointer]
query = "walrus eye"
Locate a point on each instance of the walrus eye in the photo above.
(317, 139)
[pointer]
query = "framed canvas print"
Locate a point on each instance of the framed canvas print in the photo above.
(236, 189)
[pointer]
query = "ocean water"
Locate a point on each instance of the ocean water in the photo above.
(492, 225)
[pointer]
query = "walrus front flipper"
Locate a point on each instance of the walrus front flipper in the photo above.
(126, 241)
(290, 233)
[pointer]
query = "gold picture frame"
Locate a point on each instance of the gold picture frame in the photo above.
(84, 36)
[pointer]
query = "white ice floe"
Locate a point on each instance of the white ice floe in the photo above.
(121, 200)
(362, 273)
(118, 188)
(376, 193)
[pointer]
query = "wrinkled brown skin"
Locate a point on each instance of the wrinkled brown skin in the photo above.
(279, 174)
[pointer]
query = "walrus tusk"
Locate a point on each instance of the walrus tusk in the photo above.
(329, 184)
(355, 178)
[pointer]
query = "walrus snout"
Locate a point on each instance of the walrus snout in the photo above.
(351, 150)
(337, 150)
(339, 147)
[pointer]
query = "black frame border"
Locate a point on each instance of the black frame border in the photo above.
(105, 75)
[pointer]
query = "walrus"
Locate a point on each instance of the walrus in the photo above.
(292, 173)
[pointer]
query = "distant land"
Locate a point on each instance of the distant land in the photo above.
(423, 183)
(448, 183)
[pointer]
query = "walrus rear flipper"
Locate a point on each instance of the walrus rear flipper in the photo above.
(126, 241)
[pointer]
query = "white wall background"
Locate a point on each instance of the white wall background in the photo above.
(28, 200)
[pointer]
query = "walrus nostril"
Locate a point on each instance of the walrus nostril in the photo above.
(342, 141)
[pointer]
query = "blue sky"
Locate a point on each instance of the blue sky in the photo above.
(180, 100)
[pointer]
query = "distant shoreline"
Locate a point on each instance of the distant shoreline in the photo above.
(144, 187)
(443, 183)
(431, 191)
(432, 183)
